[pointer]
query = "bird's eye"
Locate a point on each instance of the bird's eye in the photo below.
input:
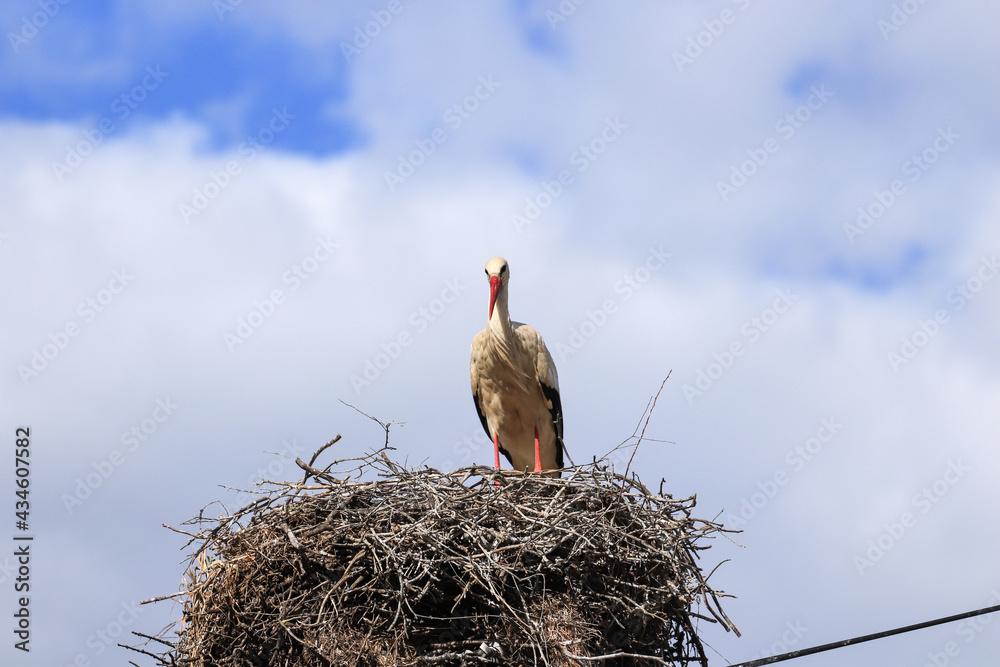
(503, 268)
(487, 271)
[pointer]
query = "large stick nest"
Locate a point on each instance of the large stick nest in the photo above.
(367, 562)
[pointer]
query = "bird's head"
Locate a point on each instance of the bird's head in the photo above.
(499, 274)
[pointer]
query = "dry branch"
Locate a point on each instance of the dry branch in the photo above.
(366, 562)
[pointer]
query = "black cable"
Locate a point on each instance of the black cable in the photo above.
(865, 638)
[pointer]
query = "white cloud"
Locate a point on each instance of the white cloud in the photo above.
(163, 335)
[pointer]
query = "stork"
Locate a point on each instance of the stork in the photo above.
(515, 386)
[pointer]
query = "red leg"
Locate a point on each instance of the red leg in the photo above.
(496, 452)
(538, 454)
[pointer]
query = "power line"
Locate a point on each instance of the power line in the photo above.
(865, 638)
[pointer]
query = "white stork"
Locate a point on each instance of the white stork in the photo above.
(515, 386)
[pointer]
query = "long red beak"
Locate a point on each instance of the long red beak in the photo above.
(494, 290)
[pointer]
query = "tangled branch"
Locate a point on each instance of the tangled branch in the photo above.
(366, 562)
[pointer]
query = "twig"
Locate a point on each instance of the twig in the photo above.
(384, 425)
(446, 568)
(648, 416)
(164, 597)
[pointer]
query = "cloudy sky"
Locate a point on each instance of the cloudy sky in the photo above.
(222, 220)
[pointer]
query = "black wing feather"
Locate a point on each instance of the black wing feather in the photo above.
(552, 394)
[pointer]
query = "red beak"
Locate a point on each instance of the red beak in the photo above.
(494, 290)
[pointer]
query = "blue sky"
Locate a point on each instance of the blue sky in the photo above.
(94, 64)
(825, 188)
